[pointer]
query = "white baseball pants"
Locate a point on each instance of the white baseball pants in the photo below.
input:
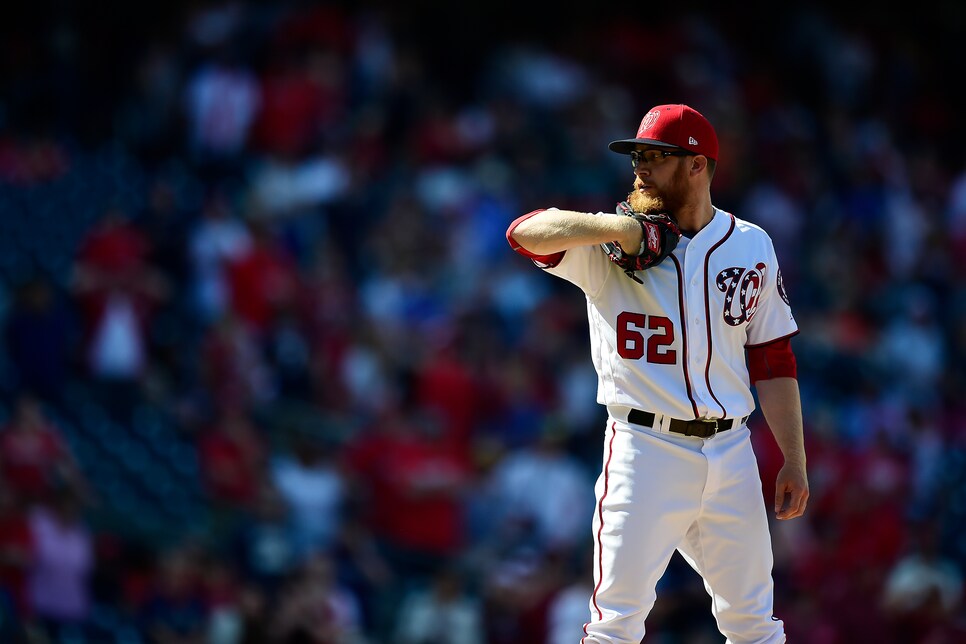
(658, 493)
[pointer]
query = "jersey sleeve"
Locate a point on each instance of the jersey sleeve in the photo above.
(585, 266)
(773, 320)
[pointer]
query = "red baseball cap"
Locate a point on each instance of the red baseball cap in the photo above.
(673, 126)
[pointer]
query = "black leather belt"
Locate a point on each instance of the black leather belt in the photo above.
(701, 428)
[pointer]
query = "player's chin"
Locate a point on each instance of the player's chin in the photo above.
(645, 200)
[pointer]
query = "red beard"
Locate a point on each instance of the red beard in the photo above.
(646, 203)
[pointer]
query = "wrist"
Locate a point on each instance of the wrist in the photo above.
(632, 235)
(795, 458)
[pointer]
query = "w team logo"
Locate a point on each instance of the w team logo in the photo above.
(649, 120)
(742, 289)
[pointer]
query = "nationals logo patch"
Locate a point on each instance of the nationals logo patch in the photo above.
(780, 283)
(742, 289)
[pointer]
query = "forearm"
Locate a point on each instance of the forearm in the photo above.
(782, 406)
(552, 231)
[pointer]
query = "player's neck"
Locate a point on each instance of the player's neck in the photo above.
(692, 218)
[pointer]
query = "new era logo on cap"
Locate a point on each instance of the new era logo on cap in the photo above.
(678, 126)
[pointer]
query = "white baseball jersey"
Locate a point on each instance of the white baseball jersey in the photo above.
(676, 344)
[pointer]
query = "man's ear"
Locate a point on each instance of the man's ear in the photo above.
(698, 164)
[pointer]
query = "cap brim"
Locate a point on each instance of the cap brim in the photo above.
(626, 146)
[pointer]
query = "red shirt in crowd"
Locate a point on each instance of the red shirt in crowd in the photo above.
(28, 459)
(414, 483)
(16, 549)
(261, 282)
(232, 458)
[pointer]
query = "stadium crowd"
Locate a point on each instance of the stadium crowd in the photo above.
(270, 372)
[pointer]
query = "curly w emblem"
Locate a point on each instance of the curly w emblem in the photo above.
(742, 289)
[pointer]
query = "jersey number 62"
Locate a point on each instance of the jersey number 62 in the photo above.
(632, 343)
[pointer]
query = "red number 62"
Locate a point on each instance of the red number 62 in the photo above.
(631, 343)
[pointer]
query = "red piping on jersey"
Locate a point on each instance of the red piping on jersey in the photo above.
(600, 529)
(684, 335)
(762, 344)
(707, 312)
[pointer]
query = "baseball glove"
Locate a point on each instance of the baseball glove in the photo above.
(661, 236)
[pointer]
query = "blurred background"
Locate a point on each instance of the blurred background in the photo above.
(271, 373)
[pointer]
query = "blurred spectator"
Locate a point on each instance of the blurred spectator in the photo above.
(303, 97)
(233, 459)
(59, 576)
(444, 612)
(30, 160)
(923, 591)
(770, 207)
(869, 510)
(262, 279)
(16, 555)
(543, 492)
(216, 239)
(263, 543)
(292, 188)
(365, 372)
(165, 220)
(34, 458)
(150, 118)
(253, 607)
(41, 336)
(222, 589)
(913, 343)
(222, 99)
(926, 444)
(567, 612)
(175, 611)
(309, 479)
(118, 290)
(329, 306)
(448, 386)
(517, 592)
(288, 352)
(232, 368)
(367, 573)
(524, 400)
(316, 608)
(411, 485)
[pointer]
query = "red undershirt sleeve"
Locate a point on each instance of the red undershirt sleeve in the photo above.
(772, 360)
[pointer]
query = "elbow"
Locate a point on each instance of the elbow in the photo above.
(526, 239)
(521, 235)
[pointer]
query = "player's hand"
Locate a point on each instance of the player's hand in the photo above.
(791, 491)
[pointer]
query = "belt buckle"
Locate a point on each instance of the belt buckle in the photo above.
(709, 421)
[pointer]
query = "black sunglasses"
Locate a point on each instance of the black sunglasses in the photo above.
(655, 157)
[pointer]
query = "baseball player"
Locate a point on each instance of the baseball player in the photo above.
(686, 311)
